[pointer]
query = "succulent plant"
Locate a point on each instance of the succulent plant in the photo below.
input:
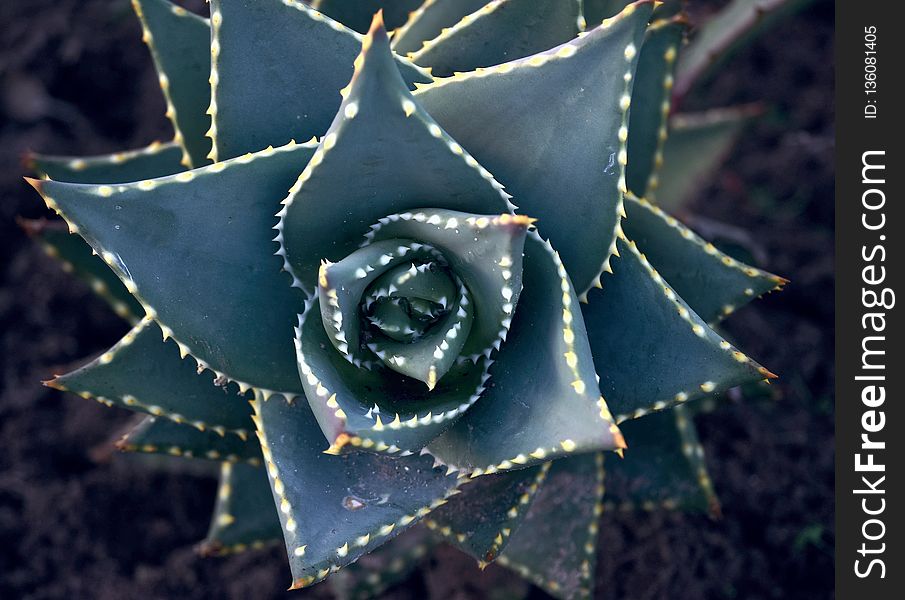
(447, 307)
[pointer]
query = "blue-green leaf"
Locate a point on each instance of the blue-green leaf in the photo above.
(734, 24)
(76, 257)
(278, 69)
(712, 283)
(503, 30)
(697, 144)
(651, 350)
(387, 566)
(144, 373)
(481, 520)
(560, 149)
(555, 548)
(357, 14)
(158, 435)
(430, 20)
(595, 11)
(244, 516)
(377, 409)
(196, 249)
(180, 44)
(382, 156)
(662, 468)
(543, 401)
(155, 160)
(651, 101)
(483, 251)
(334, 509)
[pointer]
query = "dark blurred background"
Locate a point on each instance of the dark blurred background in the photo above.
(75, 78)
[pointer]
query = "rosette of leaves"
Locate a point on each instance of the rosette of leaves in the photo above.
(434, 310)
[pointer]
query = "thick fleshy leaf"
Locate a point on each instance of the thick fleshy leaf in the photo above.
(196, 249)
(555, 548)
(483, 251)
(663, 467)
(416, 282)
(146, 374)
(158, 435)
(76, 257)
(503, 30)
(651, 350)
(561, 148)
(543, 402)
(430, 20)
(180, 44)
(156, 160)
(334, 509)
(244, 516)
(481, 520)
(357, 14)
(378, 409)
(429, 358)
(696, 146)
(387, 566)
(278, 69)
(595, 11)
(343, 289)
(383, 155)
(712, 283)
(651, 101)
(736, 23)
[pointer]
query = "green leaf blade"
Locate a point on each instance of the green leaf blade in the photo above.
(663, 466)
(157, 435)
(259, 98)
(357, 14)
(500, 32)
(555, 548)
(144, 373)
(712, 283)
(180, 45)
(389, 565)
(76, 257)
(651, 101)
(716, 39)
(165, 240)
(652, 351)
(481, 520)
(396, 158)
(156, 160)
(545, 366)
(558, 149)
(697, 145)
(376, 409)
(595, 11)
(244, 516)
(429, 21)
(334, 509)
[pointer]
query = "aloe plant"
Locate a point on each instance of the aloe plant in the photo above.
(447, 306)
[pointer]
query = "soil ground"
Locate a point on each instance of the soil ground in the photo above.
(76, 79)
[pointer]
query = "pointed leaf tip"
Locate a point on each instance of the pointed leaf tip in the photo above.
(377, 119)
(377, 25)
(35, 183)
(246, 191)
(637, 311)
(53, 383)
